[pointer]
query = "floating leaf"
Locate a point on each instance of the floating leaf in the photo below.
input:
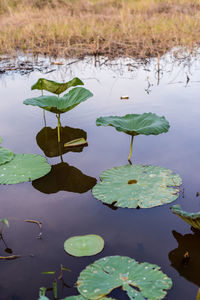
(62, 104)
(76, 143)
(47, 140)
(48, 273)
(191, 218)
(11, 257)
(135, 186)
(55, 87)
(84, 245)
(106, 274)
(64, 177)
(23, 168)
(5, 155)
(79, 297)
(134, 124)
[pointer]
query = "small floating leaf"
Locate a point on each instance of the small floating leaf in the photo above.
(106, 274)
(85, 245)
(124, 97)
(83, 298)
(76, 143)
(10, 257)
(55, 87)
(23, 168)
(191, 218)
(5, 155)
(62, 104)
(34, 222)
(134, 124)
(48, 273)
(135, 186)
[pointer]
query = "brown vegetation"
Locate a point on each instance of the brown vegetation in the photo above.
(137, 28)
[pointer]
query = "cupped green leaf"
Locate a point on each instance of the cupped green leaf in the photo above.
(134, 124)
(55, 87)
(106, 274)
(23, 168)
(191, 218)
(62, 104)
(76, 143)
(5, 155)
(136, 186)
(84, 245)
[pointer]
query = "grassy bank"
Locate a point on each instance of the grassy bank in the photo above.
(138, 28)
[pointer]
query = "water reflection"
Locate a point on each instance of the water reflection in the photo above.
(188, 245)
(47, 140)
(64, 177)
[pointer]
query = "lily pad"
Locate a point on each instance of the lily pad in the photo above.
(84, 245)
(55, 87)
(106, 274)
(76, 143)
(136, 186)
(23, 168)
(134, 124)
(5, 155)
(79, 297)
(62, 104)
(191, 218)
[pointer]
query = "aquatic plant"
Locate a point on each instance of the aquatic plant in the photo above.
(135, 186)
(139, 280)
(84, 245)
(191, 218)
(59, 105)
(23, 168)
(135, 124)
(3, 222)
(5, 155)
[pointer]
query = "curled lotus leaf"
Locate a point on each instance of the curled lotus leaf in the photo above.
(84, 245)
(134, 124)
(135, 186)
(62, 104)
(23, 168)
(55, 87)
(191, 218)
(5, 155)
(106, 274)
(76, 143)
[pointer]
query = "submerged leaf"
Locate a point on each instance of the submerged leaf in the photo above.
(106, 274)
(76, 143)
(5, 155)
(23, 168)
(135, 186)
(55, 87)
(191, 218)
(85, 245)
(62, 104)
(134, 124)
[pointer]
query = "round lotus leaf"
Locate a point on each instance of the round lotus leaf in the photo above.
(134, 124)
(84, 245)
(62, 104)
(5, 155)
(106, 274)
(136, 186)
(23, 168)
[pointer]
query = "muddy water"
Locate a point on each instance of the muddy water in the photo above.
(66, 207)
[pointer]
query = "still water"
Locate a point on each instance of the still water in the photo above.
(62, 201)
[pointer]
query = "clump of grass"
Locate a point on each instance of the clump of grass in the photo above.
(138, 28)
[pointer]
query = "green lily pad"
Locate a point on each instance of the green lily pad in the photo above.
(191, 218)
(136, 186)
(134, 124)
(79, 297)
(55, 87)
(23, 168)
(76, 143)
(84, 245)
(106, 274)
(5, 155)
(62, 104)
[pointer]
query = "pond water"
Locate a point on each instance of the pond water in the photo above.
(63, 202)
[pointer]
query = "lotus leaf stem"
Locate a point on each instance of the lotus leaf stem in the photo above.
(131, 149)
(58, 117)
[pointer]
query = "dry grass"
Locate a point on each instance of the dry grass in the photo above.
(138, 28)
